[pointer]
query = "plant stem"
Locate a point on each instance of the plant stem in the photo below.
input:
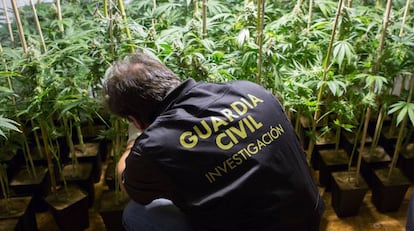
(48, 155)
(401, 133)
(4, 181)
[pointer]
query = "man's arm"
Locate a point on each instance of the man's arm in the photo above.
(141, 178)
(121, 163)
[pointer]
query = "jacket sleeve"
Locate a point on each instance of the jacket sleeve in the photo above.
(144, 181)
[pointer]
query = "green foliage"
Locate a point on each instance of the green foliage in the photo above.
(65, 79)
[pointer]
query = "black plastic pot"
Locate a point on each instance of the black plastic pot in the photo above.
(69, 208)
(406, 160)
(389, 192)
(81, 175)
(25, 184)
(111, 209)
(347, 195)
(372, 161)
(331, 161)
(17, 213)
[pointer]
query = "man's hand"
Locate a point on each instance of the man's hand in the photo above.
(121, 164)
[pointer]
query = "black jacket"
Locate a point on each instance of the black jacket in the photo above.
(228, 157)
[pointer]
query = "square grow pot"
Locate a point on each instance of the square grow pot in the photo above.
(17, 213)
(326, 141)
(81, 175)
(111, 208)
(69, 207)
(377, 159)
(389, 192)
(37, 186)
(331, 161)
(91, 152)
(347, 193)
(349, 140)
(406, 160)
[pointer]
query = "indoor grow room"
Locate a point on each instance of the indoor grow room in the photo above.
(343, 71)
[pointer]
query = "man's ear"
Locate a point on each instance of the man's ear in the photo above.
(137, 123)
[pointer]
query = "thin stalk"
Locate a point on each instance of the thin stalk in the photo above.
(204, 19)
(117, 151)
(350, 3)
(401, 133)
(124, 19)
(28, 156)
(337, 138)
(59, 13)
(260, 20)
(310, 13)
(67, 124)
(325, 72)
(19, 25)
(404, 19)
(79, 132)
(37, 139)
(4, 182)
(39, 29)
(154, 7)
(111, 30)
(362, 144)
(378, 128)
(8, 22)
(47, 149)
(354, 147)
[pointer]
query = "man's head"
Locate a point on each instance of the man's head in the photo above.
(134, 86)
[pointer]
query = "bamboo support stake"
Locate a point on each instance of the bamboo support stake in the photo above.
(19, 25)
(105, 8)
(404, 19)
(8, 22)
(39, 29)
(124, 19)
(260, 23)
(310, 15)
(325, 72)
(59, 13)
(383, 36)
(204, 19)
(154, 7)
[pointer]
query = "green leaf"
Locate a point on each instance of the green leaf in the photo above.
(8, 124)
(242, 37)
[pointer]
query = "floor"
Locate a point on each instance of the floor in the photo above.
(368, 218)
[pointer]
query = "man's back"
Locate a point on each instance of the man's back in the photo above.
(233, 158)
